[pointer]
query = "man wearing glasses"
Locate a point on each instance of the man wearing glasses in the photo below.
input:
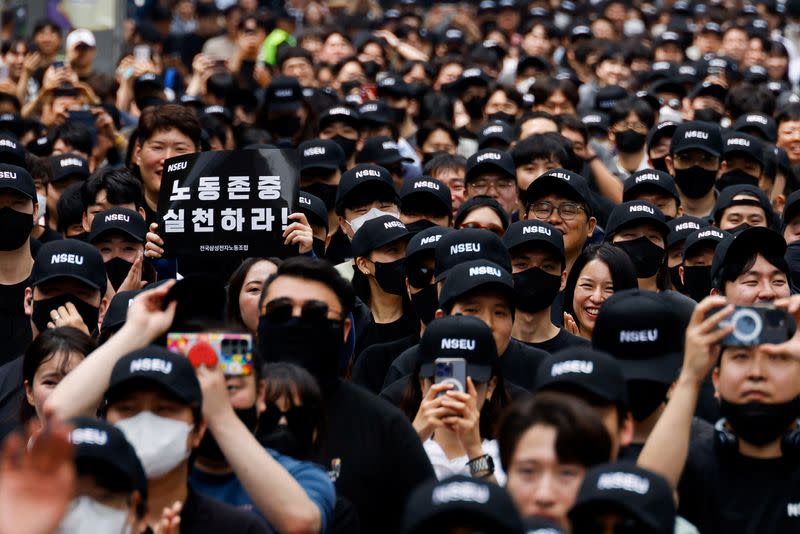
(491, 172)
(559, 197)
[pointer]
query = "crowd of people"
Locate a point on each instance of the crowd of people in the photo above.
(540, 272)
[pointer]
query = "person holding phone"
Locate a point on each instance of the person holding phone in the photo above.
(456, 414)
(744, 477)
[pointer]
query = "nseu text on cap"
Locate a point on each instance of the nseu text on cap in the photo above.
(459, 336)
(17, 179)
(559, 181)
(635, 212)
(122, 220)
(534, 232)
(361, 175)
(154, 365)
(471, 275)
(378, 232)
(70, 258)
(469, 244)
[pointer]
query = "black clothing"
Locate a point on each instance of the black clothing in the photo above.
(203, 514)
(372, 365)
(700, 430)
(339, 249)
(375, 457)
(561, 341)
(15, 326)
(12, 395)
(723, 491)
(48, 235)
(378, 333)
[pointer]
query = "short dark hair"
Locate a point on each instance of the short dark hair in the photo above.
(544, 89)
(70, 208)
(749, 98)
(285, 53)
(38, 167)
(120, 185)
(637, 106)
(733, 269)
(444, 162)
(789, 112)
(546, 146)
(46, 23)
(75, 134)
(235, 283)
(581, 437)
(158, 118)
(431, 126)
(530, 115)
(623, 273)
(319, 271)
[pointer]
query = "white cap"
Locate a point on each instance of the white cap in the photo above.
(80, 36)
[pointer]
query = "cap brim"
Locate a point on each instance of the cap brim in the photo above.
(150, 380)
(663, 369)
(285, 106)
(7, 186)
(82, 279)
(593, 390)
(551, 183)
(699, 146)
(320, 165)
(488, 166)
(138, 239)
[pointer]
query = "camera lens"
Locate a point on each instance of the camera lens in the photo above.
(747, 325)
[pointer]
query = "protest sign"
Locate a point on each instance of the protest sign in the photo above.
(228, 204)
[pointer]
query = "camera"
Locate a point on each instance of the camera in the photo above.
(756, 325)
(451, 371)
(234, 351)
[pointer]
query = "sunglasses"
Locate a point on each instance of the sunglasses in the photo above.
(282, 310)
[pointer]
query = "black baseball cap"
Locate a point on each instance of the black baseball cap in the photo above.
(11, 151)
(474, 274)
(668, 37)
(18, 179)
(435, 505)
(148, 80)
(659, 131)
(699, 135)
(472, 77)
(760, 122)
(747, 145)
(709, 89)
(585, 370)
(469, 244)
(69, 166)
(648, 180)
(392, 85)
(378, 232)
(495, 130)
(580, 32)
(608, 96)
(121, 220)
(643, 332)
(707, 236)
(481, 201)
(534, 232)
(644, 495)
(596, 121)
(156, 365)
(70, 258)
(375, 112)
(220, 112)
(561, 181)
(459, 336)
(426, 240)
(284, 94)
(381, 150)
(681, 227)
(743, 194)
(422, 191)
(635, 211)
(791, 208)
(490, 160)
(321, 154)
(359, 175)
(340, 114)
(101, 448)
(738, 247)
(313, 207)
(117, 311)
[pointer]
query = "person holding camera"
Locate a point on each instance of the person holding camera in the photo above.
(744, 477)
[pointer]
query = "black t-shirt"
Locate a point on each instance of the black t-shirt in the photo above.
(339, 248)
(518, 364)
(15, 326)
(373, 363)
(700, 431)
(12, 395)
(378, 333)
(375, 457)
(203, 514)
(722, 491)
(561, 341)
(49, 235)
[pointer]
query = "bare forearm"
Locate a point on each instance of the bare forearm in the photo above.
(273, 490)
(608, 184)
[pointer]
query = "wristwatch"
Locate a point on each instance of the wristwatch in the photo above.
(482, 466)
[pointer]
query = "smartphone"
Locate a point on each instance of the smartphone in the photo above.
(451, 371)
(369, 92)
(757, 325)
(141, 53)
(234, 351)
(58, 64)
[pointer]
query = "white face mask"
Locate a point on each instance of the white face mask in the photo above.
(373, 213)
(42, 200)
(666, 113)
(88, 515)
(159, 442)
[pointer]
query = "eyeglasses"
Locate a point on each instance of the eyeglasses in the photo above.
(481, 187)
(495, 229)
(419, 276)
(282, 310)
(637, 126)
(542, 210)
(691, 158)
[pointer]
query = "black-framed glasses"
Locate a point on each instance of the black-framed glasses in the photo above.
(566, 210)
(281, 310)
(419, 276)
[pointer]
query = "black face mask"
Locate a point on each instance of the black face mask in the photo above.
(697, 281)
(17, 227)
(645, 396)
(508, 118)
(398, 115)
(708, 115)
(42, 308)
(535, 290)
(695, 182)
(660, 164)
(314, 345)
(117, 270)
(736, 177)
(348, 145)
(425, 303)
(760, 423)
(325, 192)
(295, 438)
(318, 246)
(630, 141)
(371, 68)
(209, 448)
(391, 276)
(646, 256)
(285, 127)
(675, 278)
(793, 259)
(474, 106)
